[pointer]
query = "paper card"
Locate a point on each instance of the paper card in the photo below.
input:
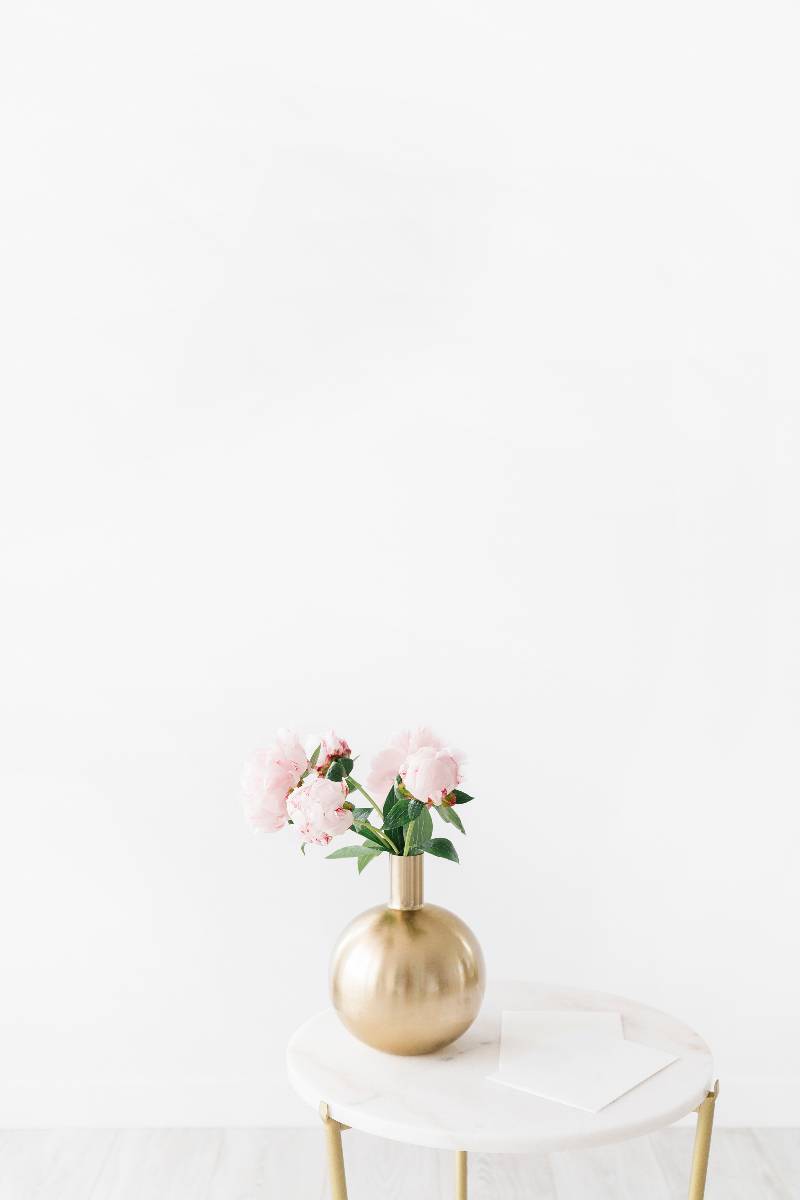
(578, 1059)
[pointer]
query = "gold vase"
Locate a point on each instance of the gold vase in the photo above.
(407, 978)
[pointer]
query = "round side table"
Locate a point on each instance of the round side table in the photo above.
(446, 1101)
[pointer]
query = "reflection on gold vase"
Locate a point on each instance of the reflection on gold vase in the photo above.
(407, 978)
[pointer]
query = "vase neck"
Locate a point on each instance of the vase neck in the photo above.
(406, 881)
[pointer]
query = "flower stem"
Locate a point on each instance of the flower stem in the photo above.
(390, 846)
(411, 825)
(366, 796)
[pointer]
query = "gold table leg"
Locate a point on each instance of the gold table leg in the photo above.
(697, 1181)
(702, 1145)
(461, 1175)
(333, 1145)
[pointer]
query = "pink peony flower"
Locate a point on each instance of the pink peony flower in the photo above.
(400, 756)
(331, 746)
(431, 774)
(384, 770)
(268, 778)
(317, 809)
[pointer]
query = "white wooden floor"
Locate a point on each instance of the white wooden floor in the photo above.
(252, 1164)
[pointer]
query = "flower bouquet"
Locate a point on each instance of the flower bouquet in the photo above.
(319, 796)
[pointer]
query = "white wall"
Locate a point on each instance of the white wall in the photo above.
(371, 365)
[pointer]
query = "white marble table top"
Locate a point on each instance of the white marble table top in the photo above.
(445, 1100)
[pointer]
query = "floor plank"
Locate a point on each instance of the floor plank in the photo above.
(295, 1165)
(21, 1163)
(173, 1164)
(740, 1170)
(240, 1170)
(52, 1164)
(673, 1151)
(622, 1172)
(73, 1162)
(376, 1167)
(780, 1148)
(286, 1164)
(509, 1177)
(740, 1167)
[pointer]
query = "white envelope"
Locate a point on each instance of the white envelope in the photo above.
(576, 1058)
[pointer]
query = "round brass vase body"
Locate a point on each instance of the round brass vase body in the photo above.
(408, 978)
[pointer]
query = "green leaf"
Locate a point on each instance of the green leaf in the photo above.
(361, 814)
(419, 831)
(461, 797)
(336, 771)
(368, 831)
(450, 816)
(351, 786)
(414, 809)
(312, 762)
(441, 848)
(393, 829)
(347, 764)
(346, 852)
(365, 858)
(395, 812)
